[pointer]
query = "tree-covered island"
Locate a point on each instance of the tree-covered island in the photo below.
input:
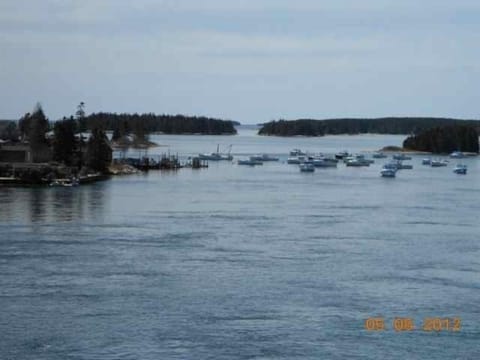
(353, 126)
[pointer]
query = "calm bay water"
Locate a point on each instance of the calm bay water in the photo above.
(235, 262)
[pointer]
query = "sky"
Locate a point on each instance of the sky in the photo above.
(246, 60)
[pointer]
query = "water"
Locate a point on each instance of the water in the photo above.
(235, 262)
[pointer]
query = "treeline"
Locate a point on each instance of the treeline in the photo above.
(445, 139)
(387, 125)
(151, 123)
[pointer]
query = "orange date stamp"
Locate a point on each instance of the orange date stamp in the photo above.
(405, 324)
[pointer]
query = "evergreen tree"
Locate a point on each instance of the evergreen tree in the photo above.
(64, 143)
(99, 152)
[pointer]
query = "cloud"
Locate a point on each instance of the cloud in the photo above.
(185, 54)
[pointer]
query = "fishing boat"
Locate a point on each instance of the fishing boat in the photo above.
(217, 156)
(307, 167)
(460, 169)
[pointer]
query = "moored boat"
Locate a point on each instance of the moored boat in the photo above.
(457, 155)
(379, 155)
(401, 157)
(386, 172)
(438, 163)
(264, 157)
(460, 169)
(307, 167)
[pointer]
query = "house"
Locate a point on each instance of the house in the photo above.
(22, 153)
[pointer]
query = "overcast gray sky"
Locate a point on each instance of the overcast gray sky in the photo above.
(246, 60)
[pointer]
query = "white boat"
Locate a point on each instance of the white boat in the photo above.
(457, 155)
(264, 157)
(65, 182)
(296, 160)
(427, 161)
(438, 163)
(460, 169)
(379, 155)
(385, 172)
(217, 156)
(307, 167)
(297, 152)
(401, 157)
(358, 160)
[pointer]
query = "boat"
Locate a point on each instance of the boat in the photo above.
(379, 155)
(324, 162)
(438, 163)
(216, 156)
(358, 160)
(250, 162)
(65, 182)
(427, 161)
(341, 155)
(307, 167)
(401, 166)
(386, 172)
(296, 160)
(297, 152)
(401, 157)
(460, 169)
(264, 157)
(457, 155)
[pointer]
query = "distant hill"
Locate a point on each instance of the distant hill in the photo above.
(386, 125)
(445, 139)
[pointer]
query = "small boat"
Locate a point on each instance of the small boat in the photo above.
(427, 161)
(460, 169)
(250, 162)
(297, 152)
(358, 160)
(457, 155)
(379, 155)
(341, 155)
(296, 160)
(401, 166)
(438, 163)
(65, 182)
(264, 157)
(390, 173)
(324, 163)
(307, 167)
(401, 157)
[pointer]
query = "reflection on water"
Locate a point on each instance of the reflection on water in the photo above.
(57, 204)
